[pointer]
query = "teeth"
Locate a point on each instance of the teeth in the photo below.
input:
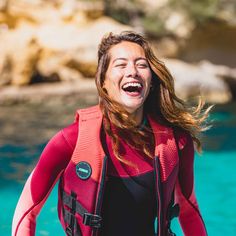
(133, 85)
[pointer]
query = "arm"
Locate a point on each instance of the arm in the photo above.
(190, 217)
(52, 162)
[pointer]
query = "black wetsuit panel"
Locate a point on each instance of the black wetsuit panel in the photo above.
(129, 206)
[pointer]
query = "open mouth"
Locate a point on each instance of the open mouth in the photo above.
(132, 87)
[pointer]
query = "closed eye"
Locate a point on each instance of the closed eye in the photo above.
(120, 65)
(142, 65)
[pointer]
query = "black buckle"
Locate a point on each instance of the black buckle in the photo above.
(92, 220)
(69, 231)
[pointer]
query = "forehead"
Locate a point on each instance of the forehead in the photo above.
(126, 50)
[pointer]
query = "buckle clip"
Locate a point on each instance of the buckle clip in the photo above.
(69, 231)
(92, 220)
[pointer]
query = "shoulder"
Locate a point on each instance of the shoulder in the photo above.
(70, 134)
(89, 112)
(59, 148)
(64, 139)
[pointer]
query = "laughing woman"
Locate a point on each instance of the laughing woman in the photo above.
(127, 163)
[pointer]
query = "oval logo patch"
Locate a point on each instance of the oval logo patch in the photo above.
(83, 170)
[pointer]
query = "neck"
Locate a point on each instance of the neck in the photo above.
(137, 116)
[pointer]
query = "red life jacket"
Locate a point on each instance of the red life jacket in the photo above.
(83, 181)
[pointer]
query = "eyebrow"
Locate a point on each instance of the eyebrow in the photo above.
(125, 59)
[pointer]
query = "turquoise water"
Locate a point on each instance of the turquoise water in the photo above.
(215, 180)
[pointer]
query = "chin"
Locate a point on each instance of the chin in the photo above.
(132, 109)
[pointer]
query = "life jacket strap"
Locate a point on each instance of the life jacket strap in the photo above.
(89, 219)
(74, 205)
(72, 229)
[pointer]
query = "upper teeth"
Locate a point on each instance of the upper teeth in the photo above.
(132, 84)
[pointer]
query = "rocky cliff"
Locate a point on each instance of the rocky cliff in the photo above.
(50, 41)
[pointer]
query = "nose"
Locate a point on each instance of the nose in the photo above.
(131, 70)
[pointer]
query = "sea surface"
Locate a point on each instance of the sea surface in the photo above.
(25, 130)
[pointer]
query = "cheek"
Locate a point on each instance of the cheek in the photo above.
(111, 86)
(114, 78)
(116, 74)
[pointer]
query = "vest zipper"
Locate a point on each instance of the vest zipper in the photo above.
(157, 180)
(99, 199)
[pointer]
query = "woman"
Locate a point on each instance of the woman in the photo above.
(122, 164)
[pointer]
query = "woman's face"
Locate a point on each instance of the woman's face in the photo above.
(128, 76)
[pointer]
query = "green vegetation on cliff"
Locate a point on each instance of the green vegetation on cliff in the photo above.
(153, 17)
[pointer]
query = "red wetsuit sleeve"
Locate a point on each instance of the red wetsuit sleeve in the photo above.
(190, 217)
(53, 160)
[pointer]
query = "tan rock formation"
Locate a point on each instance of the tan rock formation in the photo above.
(202, 79)
(42, 11)
(19, 49)
(6, 69)
(55, 38)
(59, 39)
(75, 46)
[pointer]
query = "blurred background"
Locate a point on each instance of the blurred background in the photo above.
(48, 56)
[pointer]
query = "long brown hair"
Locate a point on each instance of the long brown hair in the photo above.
(162, 102)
